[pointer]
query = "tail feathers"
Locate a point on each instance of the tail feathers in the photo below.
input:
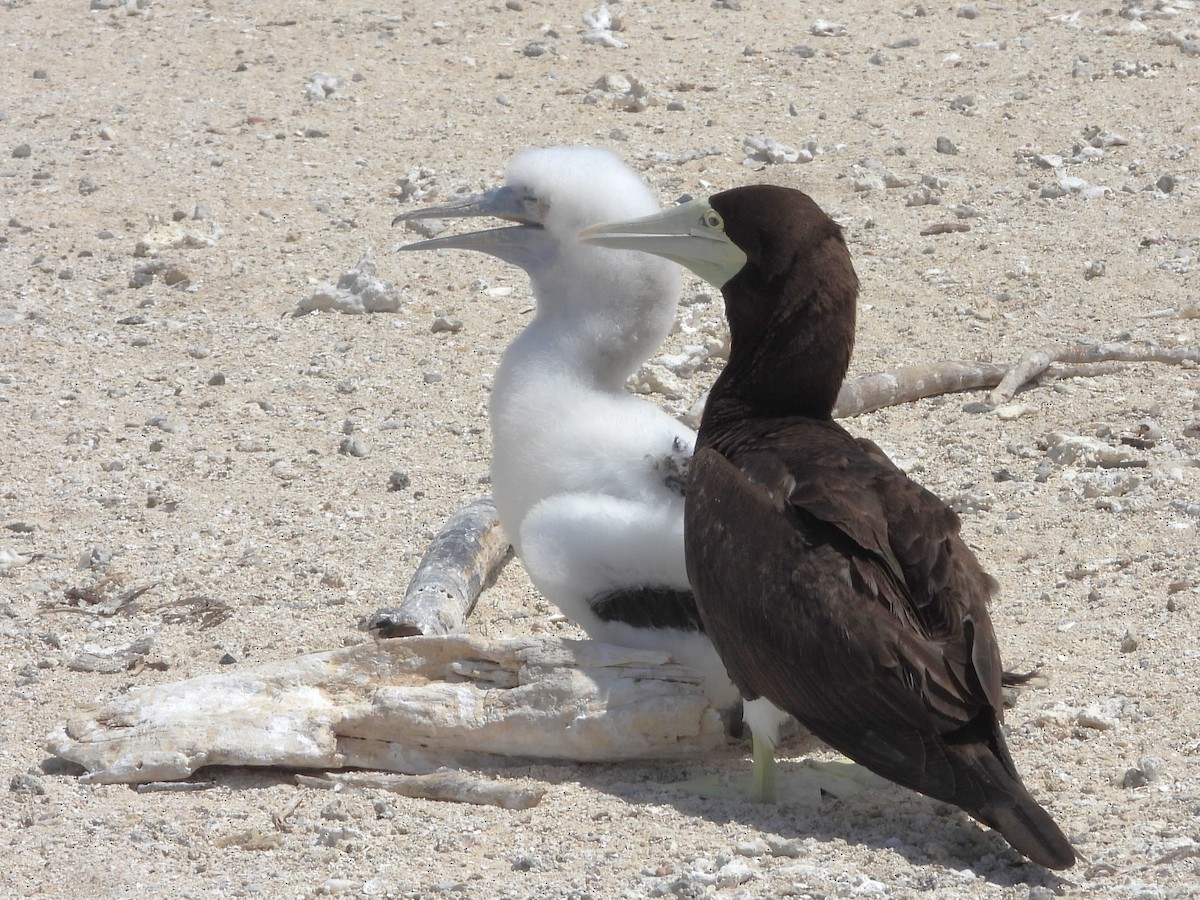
(1012, 811)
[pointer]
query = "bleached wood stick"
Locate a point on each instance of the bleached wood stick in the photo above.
(461, 561)
(409, 705)
(868, 393)
(446, 784)
(1035, 362)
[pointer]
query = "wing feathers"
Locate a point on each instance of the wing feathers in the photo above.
(840, 590)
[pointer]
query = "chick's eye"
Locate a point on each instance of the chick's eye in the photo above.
(712, 219)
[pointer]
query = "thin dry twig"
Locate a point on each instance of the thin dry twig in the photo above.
(205, 611)
(177, 787)
(447, 785)
(97, 599)
(280, 819)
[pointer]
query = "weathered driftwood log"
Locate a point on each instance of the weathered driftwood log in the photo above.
(409, 705)
(461, 561)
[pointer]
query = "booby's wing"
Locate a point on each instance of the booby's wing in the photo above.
(840, 590)
(845, 546)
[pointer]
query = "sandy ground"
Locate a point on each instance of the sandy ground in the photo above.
(186, 436)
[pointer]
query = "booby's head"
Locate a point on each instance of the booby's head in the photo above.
(789, 286)
(621, 304)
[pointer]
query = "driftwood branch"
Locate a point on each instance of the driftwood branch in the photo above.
(1035, 362)
(461, 561)
(868, 393)
(411, 705)
(1062, 360)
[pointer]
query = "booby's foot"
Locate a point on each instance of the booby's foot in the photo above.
(803, 783)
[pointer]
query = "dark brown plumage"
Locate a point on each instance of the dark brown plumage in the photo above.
(831, 583)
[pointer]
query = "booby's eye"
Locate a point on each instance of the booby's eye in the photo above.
(712, 219)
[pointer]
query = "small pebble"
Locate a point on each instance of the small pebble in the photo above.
(331, 837)
(826, 28)
(399, 481)
(216, 379)
(431, 377)
(751, 849)
(174, 275)
(734, 873)
(514, 5)
(969, 11)
(791, 849)
(446, 323)
(24, 783)
(354, 446)
(334, 811)
(1011, 411)
(88, 185)
(21, 151)
(1165, 183)
(163, 423)
(526, 862)
(1094, 269)
(946, 146)
(1129, 642)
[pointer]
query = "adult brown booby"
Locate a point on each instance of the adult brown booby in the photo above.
(830, 583)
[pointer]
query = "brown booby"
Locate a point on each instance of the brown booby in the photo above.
(830, 583)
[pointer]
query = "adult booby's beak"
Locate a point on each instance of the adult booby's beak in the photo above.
(692, 234)
(524, 244)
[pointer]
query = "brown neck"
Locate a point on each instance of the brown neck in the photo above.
(790, 341)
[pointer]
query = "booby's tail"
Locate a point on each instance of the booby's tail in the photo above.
(1010, 809)
(970, 768)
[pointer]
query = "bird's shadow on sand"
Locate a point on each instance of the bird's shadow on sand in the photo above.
(884, 817)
